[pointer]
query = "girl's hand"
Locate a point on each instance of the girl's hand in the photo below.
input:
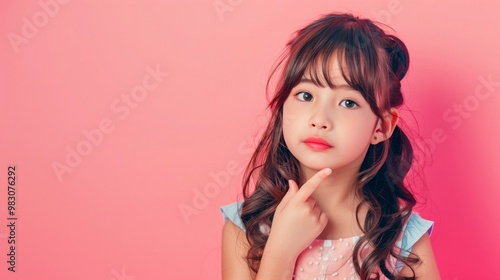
(298, 220)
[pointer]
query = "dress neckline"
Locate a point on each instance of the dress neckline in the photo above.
(357, 237)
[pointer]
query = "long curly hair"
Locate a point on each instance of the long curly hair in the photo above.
(374, 64)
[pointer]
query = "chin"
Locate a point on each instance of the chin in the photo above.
(315, 166)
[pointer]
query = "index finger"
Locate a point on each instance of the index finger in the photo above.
(308, 188)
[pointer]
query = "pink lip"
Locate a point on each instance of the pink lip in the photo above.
(317, 143)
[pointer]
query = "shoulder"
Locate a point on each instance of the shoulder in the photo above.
(416, 240)
(414, 229)
(233, 213)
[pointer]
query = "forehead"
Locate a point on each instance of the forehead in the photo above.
(325, 73)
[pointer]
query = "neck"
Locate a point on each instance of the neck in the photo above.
(337, 190)
(337, 198)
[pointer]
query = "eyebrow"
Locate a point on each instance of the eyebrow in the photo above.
(309, 81)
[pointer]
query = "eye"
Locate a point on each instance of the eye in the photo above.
(306, 95)
(349, 103)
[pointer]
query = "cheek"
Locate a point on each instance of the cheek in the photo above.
(356, 129)
(292, 124)
(289, 115)
(287, 121)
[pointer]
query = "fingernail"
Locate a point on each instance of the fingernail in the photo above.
(327, 171)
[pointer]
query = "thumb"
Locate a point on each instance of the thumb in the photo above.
(323, 220)
(293, 188)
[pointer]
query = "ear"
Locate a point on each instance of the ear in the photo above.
(391, 119)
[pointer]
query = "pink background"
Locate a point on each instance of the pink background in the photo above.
(65, 68)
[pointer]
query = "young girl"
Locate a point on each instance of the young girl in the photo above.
(329, 201)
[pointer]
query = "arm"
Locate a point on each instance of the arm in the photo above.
(296, 222)
(234, 250)
(427, 269)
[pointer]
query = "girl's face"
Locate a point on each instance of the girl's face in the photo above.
(341, 116)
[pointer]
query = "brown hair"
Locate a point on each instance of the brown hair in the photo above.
(375, 63)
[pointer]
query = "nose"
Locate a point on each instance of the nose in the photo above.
(320, 120)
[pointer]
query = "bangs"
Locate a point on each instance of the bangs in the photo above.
(355, 51)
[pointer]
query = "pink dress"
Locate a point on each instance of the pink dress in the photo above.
(332, 259)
